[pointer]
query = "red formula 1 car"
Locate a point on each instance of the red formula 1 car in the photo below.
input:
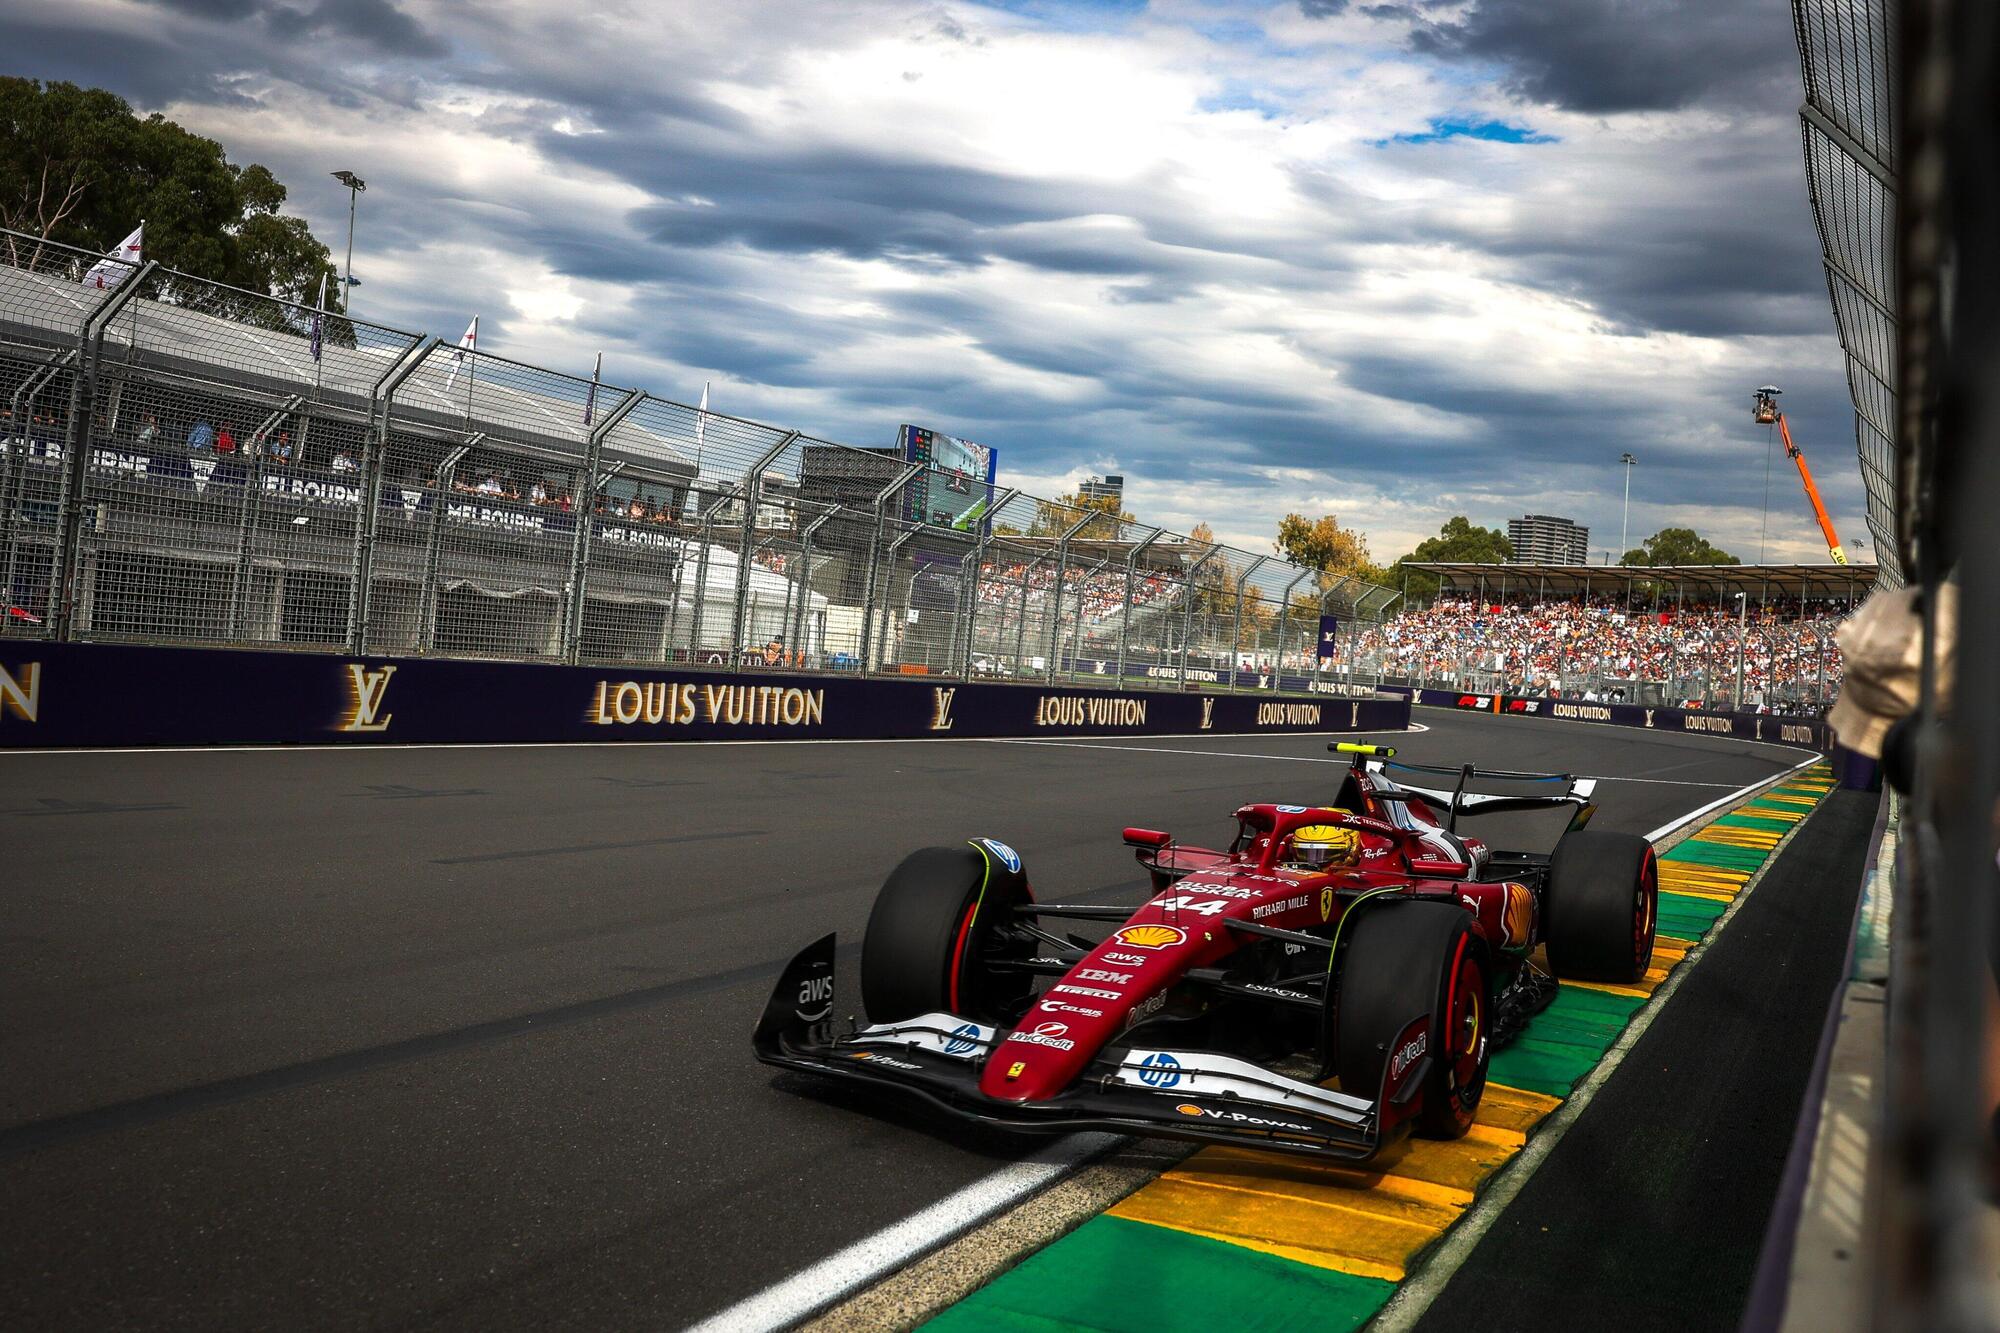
(1364, 938)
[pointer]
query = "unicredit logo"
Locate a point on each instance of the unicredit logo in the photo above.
(1046, 1034)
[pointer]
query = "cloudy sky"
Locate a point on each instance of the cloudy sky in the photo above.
(1390, 261)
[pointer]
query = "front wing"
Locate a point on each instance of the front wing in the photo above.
(1195, 1095)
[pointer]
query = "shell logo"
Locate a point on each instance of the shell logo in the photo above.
(1151, 937)
(1517, 923)
(1185, 1109)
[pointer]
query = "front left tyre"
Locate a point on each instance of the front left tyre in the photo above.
(1405, 960)
(942, 933)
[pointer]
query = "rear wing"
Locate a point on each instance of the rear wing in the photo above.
(1563, 788)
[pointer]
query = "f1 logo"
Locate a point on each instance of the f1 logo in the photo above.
(941, 708)
(365, 692)
(1207, 714)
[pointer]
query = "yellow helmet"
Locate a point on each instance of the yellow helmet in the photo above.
(1325, 847)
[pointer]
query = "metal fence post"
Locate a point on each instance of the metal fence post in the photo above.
(585, 510)
(868, 600)
(1284, 622)
(359, 596)
(882, 626)
(1187, 616)
(65, 577)
(982, 538)
(804, 608)
(427, 594)
(753, 491)
(1131, 570)
(13, 480)
(249, 512)
(1236, 630)
(707, 519)
(1062, 569)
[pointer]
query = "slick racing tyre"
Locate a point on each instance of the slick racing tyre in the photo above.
(1603, 906)
(940, 923)
(1404, 960)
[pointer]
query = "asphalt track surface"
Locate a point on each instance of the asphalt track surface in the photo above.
(459, 1037)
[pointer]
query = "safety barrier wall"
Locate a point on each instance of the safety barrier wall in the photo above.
(1773, 728)
(100, 695)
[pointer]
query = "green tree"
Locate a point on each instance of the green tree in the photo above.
(1322, 544)
(1677, 546)
(1054, 517)
(79, 167)
(1459, 541)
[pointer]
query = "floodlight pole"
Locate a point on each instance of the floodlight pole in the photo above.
(1625, 522)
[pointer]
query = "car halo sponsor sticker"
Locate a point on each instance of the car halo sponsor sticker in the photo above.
(1151, 937)
(1008, 856)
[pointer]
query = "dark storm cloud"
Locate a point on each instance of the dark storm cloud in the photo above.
(1605, 56)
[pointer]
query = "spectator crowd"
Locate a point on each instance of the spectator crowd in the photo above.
(1600, 649)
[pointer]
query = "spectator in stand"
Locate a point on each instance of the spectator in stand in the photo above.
(562, 502)
(225, 440)
(201, 436)
(281, 450)
(538, 493)
(149, 431)
(491, 485)
(774, 651)
(344, 461)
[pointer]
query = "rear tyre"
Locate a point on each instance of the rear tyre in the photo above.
(1603, 906)
(1406, 959)
(940, 921)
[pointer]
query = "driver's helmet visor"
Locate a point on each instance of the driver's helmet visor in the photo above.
(1325, 847)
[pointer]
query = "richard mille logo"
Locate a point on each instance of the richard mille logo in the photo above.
(941, 708)
(365, 692)
(1207, 714)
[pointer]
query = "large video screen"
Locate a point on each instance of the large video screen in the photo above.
(958, 492)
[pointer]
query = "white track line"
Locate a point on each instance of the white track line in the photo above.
(811, 1290)
(1415, 1295)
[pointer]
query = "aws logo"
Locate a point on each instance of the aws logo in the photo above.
(366, 692)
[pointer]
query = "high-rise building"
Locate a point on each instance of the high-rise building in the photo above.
(1103, 488)
(1544, 539)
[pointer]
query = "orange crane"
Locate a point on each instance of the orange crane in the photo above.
(1766, 413)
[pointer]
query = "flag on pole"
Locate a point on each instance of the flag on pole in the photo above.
(590, 399)
(117, 263)
(319, 318)
(468, 343)
(701, 421)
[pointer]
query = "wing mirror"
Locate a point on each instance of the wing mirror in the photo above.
(1436, 867)
(1147, 839)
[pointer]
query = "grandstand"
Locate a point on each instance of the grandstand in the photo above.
(188, 463)
(1759, 637)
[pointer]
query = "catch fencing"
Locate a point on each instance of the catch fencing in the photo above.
(187, 463)
(1847, 126)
